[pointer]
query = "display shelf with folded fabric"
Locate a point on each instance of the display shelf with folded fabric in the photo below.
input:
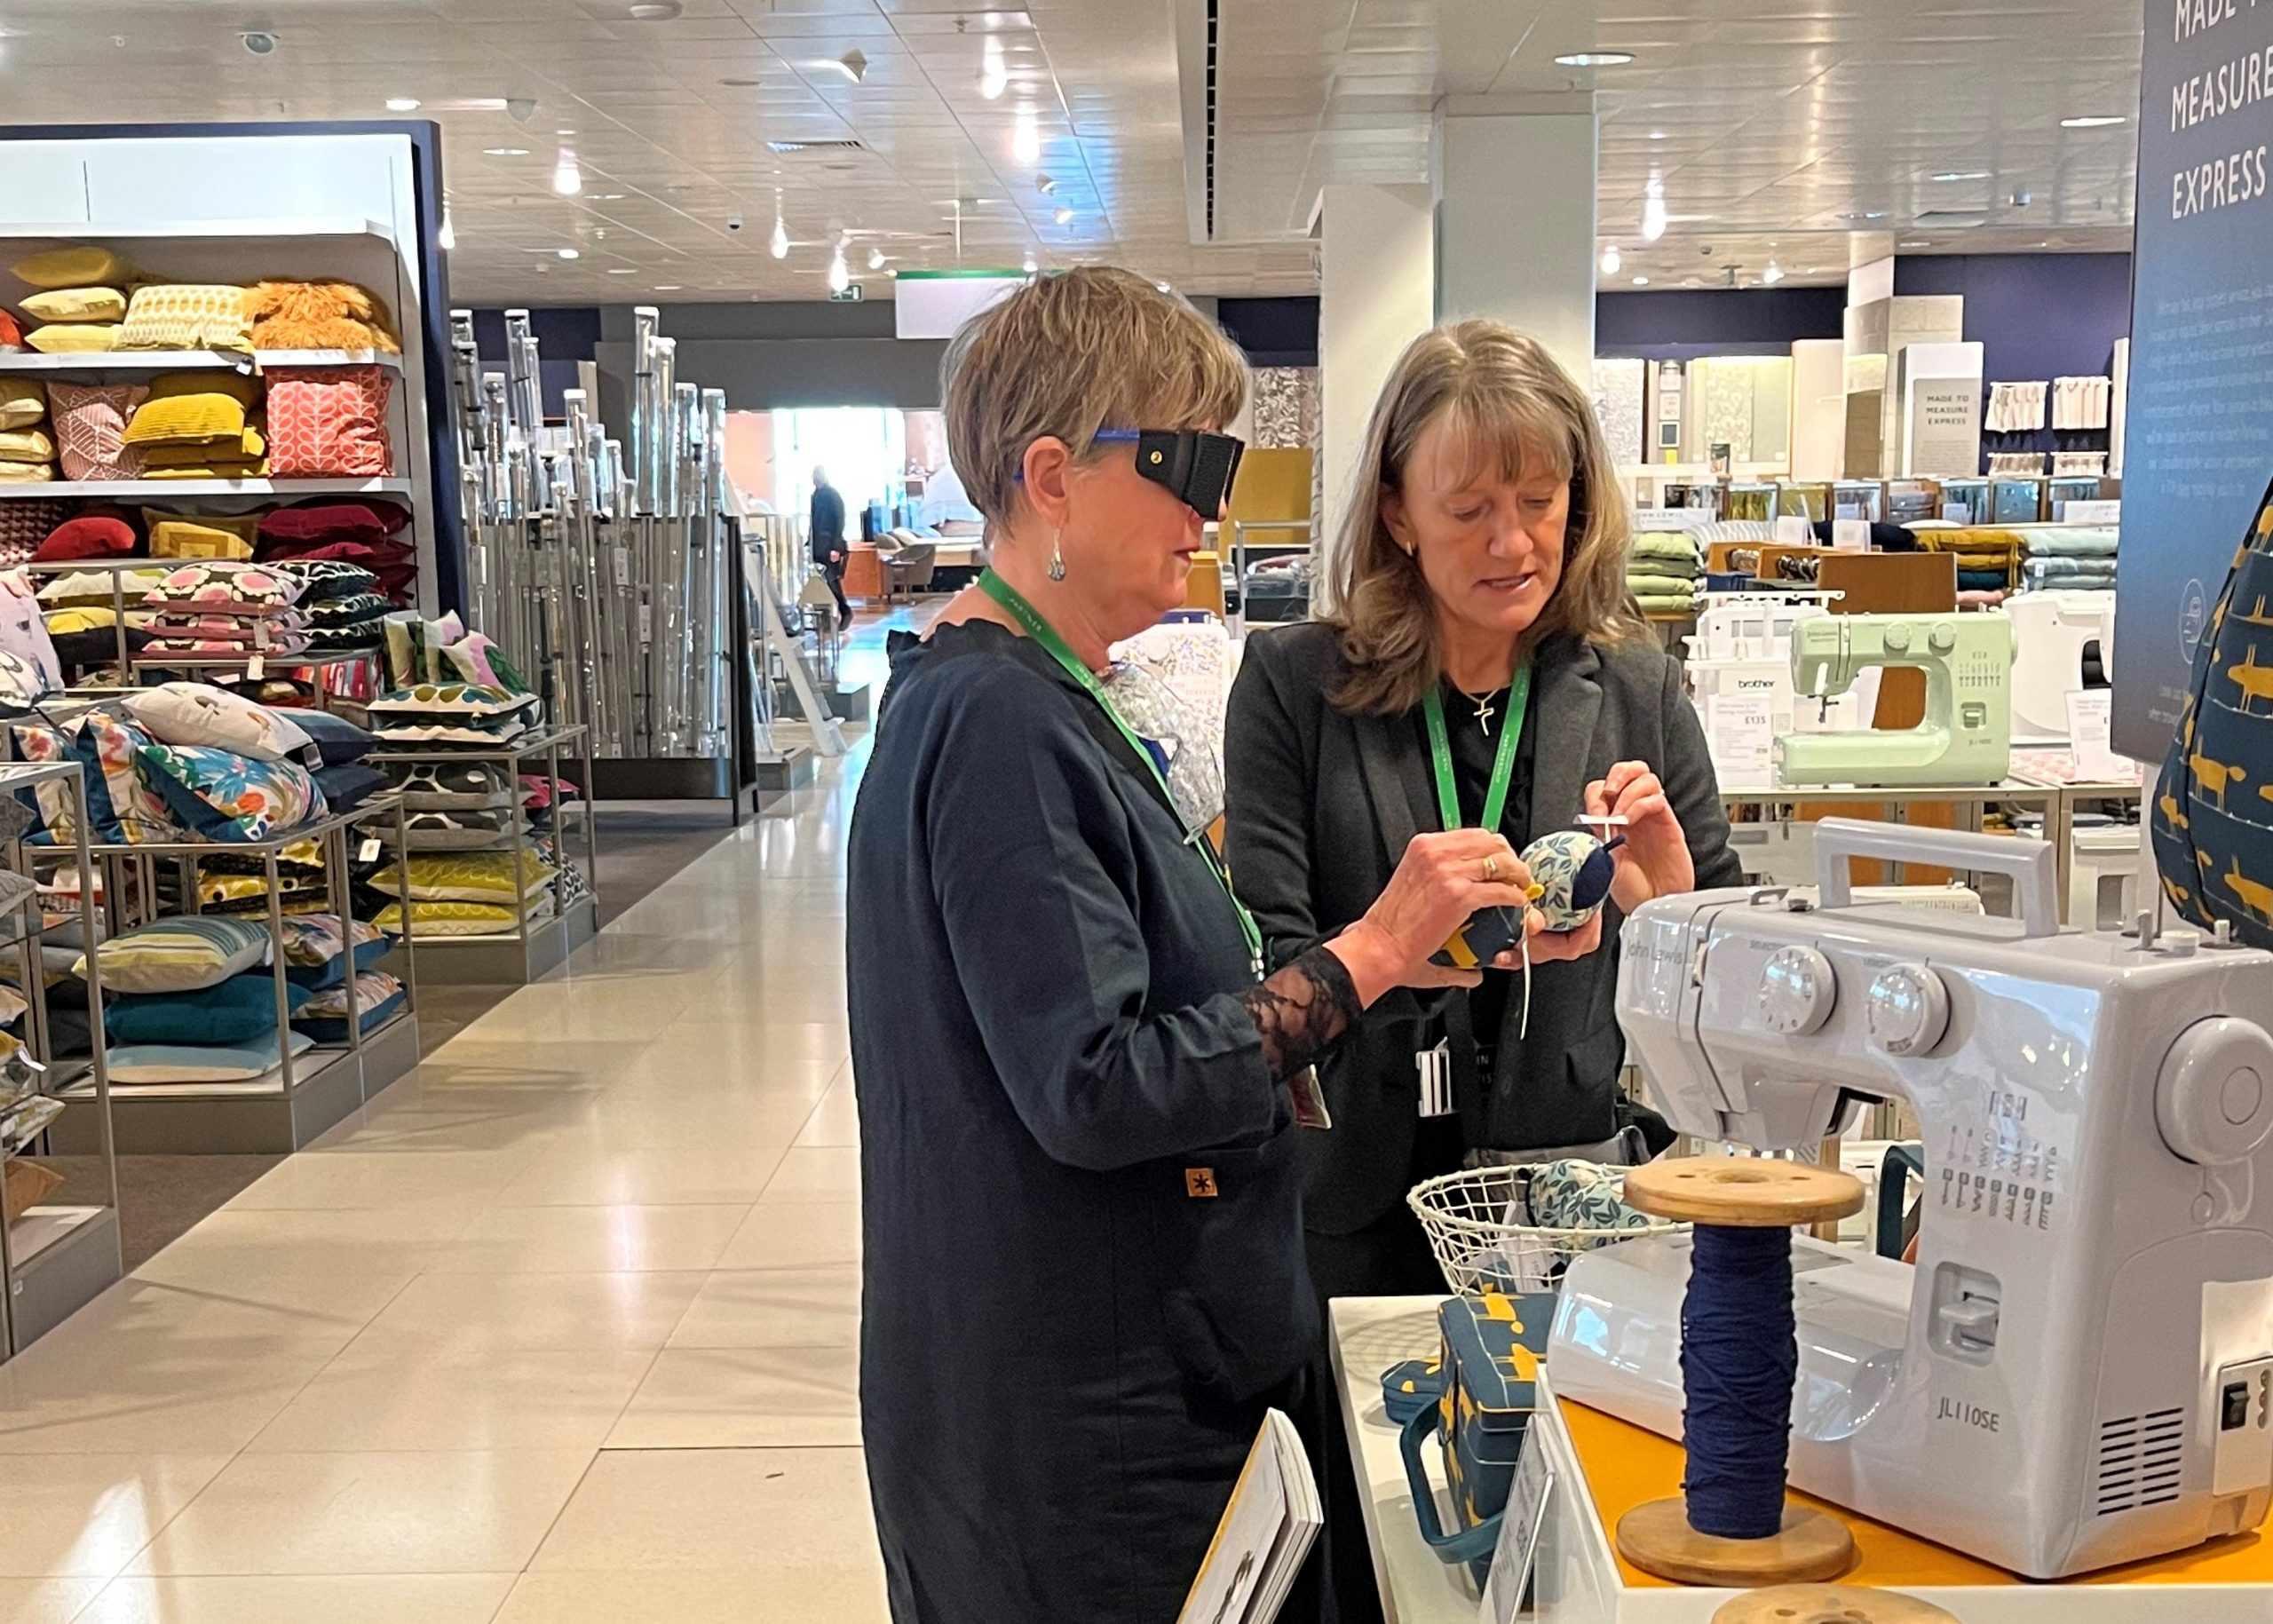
(202, 996)
(169, 489)
(60, 1208)
(464, 801)
(170, 360)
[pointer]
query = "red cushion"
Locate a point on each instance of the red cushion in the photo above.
(91, 535)
(394, 563)
(374, 519)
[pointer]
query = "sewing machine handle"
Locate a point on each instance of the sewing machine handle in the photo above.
(2030, 863)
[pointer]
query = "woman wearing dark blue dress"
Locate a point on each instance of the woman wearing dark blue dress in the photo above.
(1084, 1281)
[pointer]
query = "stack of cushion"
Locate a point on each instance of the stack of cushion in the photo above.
(342, 766)
(469, 893)
(1986, 559)
(191, 1003)
(81, 610)
(319, 316)
(121, 808)
(227, 609)
(2068, 557)
(26, 444)
(366, 533)
(1661, 571)
(345, 611)
(199, 425)
(79, 306)
(421, 651)
(453, 713)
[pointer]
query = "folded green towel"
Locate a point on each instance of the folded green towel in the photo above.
(1659, 569)
(2066, 541)
(1668, 544)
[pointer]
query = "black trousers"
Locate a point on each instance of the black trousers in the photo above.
(834, 573)
(1389, 1257)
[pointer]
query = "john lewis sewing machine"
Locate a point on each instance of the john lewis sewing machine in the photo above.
(2078, 1372)
(1967, 735)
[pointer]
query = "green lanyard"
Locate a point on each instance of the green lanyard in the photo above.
(1503, 764)
(1046, 635)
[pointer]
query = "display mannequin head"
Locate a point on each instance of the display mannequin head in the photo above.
(1495, 519)
(1029, 384)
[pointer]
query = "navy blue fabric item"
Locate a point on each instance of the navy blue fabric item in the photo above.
(350, 784)
(1069, 1337)
(333, 971)
(337, 740)
(241, 1010)
(333, 1029)
(1739, 1359)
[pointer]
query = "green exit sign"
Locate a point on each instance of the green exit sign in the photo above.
(849, 295)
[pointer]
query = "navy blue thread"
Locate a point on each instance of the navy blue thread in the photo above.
(1740, 1361)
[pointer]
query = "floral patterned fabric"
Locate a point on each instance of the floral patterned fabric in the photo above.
(121, 809)
(229, 797)
(221, 587)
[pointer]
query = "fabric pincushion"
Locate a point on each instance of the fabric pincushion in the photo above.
(1576, 871)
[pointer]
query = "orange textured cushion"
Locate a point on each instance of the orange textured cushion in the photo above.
(330, 422)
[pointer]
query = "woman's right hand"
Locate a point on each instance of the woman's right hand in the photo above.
(1439, 882)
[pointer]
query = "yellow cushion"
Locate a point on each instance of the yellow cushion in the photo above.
(242, 387)
(192, 538)
(77, 305)
(251, 468)
(73, 337)
(25, 473)
(248, 448)
(21, 401)
(26, 445)
(71, 267)
(201, 420)
(186, 316)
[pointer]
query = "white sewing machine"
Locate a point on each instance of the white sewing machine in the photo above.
(2051, 631)
(1967, 735)
(2079, 1370)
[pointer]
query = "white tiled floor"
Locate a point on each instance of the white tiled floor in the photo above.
(561, 1329)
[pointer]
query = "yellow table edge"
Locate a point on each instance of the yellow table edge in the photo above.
(1626, 1466)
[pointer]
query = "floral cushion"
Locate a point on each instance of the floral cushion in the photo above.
(330, 422)
(186, 316)
(226, 588)
(121, 810)
(229, 797)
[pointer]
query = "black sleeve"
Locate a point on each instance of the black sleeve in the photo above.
(1267, 801)
(1692, 790)
(1025, 836)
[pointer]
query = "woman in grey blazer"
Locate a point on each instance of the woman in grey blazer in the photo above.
(1483, 644)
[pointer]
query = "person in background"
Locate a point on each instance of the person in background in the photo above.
(828, 536)
(1486, 669)
(1082, 1285)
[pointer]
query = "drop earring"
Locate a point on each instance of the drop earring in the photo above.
(1056, 560)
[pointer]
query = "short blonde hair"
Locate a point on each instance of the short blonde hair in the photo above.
(1510, 403)
(1065, 356)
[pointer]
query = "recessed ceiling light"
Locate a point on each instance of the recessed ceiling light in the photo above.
(1026, 137)
(667, 287)
(604, 197)
(1063, 216)
(2093, 121)
(1656, 135)
(567, 175)
(504, 152)
(564, 132)
(1641, 282)
(1045, 184)
(402, 104)
(622, 270)
(1611, 260)
(742, 84)
(1963, 175)
(568, 253)
(1914, 242)
(656, 11)
(876, 260)
(1595, 58)
(1863, 214)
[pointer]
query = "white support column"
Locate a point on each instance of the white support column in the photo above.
(1377, 292)
(1515, 193)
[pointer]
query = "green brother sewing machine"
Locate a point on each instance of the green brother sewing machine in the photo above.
(1967, 735)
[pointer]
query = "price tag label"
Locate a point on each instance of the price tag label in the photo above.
(1850, 534)
(255, 669)
(369, 850)
(2088, 717)
(1528, 1497)
(647, 624)
(623, 566)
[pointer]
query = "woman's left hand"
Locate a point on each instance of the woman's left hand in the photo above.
(1653, 860)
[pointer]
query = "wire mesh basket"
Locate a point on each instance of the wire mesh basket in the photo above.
(1475, 1224)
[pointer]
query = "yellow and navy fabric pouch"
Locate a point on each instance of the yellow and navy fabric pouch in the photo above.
(2212, 815)
(1492, 1349)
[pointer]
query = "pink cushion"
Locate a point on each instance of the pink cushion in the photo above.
(330, 422)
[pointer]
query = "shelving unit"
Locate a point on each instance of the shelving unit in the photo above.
(61, 1254)
(295, 1101)
(193, 361)
(112, 490)
(534, 945)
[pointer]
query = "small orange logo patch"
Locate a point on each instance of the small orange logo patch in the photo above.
(1200, 1183)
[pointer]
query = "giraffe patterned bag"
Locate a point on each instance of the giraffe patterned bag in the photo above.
(2213, 821)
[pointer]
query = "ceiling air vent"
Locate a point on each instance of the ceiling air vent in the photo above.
(792, 146)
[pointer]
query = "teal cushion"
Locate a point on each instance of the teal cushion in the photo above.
(133, 1063)
(239, 1011)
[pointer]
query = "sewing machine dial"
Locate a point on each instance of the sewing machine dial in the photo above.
(1796, 991)
(1907, 1010)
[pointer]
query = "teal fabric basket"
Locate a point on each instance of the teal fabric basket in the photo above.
(1494, 1346)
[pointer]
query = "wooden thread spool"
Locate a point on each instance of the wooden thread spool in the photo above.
(1739, 1193)
(1830, 1605)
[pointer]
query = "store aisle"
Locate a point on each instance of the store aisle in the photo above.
(561, 1329)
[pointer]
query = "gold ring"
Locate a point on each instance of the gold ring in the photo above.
(1491, 869)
